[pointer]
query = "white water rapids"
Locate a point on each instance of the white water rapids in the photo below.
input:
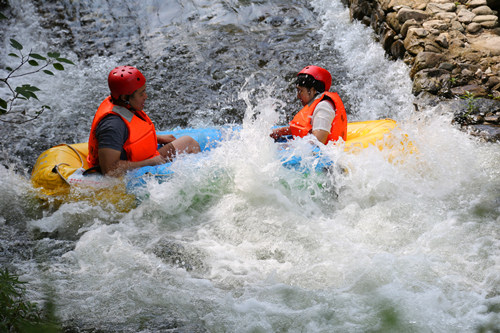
(234, 242)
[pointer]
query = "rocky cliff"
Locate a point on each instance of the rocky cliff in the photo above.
(452, 48)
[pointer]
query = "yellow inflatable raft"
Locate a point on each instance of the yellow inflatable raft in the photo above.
(61, 166)
(54, 167)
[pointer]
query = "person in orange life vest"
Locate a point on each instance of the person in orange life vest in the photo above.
(122, 136)
(323, 113)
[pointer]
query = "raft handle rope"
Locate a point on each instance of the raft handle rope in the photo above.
(56, 168)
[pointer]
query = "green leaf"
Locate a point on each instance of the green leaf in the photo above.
(54, 54)
(25, 93)
(13, 55)
(21, 91)
(15, 44)
(58, 66)
(48, 72)
(2, 17)
(2, 111)
(65, 61)
(9, 69)
(30, 87)
(3, 103)
(46, 107)
(37, 56)
(33, 62)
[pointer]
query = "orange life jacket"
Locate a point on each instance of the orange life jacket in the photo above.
(141, 143)
(301, 123)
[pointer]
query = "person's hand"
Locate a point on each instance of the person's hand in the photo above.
(166, 138)
(280, 131)
(275, 134)
(157, 160)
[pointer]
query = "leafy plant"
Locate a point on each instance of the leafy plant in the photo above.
(24, 92)
(464, 117)
(19, 315)
(471, 99)
(14, 310)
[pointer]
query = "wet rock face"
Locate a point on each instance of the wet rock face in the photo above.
(480, 117)
(460, 35)
(452, 47)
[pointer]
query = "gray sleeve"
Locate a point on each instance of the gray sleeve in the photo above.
(111, 132)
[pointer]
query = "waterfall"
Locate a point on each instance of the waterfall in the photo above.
(234, 242)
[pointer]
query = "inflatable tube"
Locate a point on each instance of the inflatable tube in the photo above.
(55, 165)
(62, 166)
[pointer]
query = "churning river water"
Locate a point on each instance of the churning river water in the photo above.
(234, 242)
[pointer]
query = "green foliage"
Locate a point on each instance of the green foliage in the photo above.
(19, 315)
(14, 311)
(24, 92)
(471, 99)
(464, 117)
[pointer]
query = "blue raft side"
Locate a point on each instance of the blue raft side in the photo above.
(291, 161)
(320, 162)
(209, 138)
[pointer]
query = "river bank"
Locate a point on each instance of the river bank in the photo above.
(453, 50)
(233, 242)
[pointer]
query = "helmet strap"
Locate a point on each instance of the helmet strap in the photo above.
(122, 102)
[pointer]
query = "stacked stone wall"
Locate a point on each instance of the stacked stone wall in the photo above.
(452, 47)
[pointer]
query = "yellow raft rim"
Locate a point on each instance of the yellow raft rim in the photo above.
(54, 167)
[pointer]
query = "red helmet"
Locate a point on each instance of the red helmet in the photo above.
(124, 80)
(319, 74)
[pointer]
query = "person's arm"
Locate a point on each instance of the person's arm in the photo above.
(111, 134)
(165, 138)
(322, 119)
(281, 131)
(321, 135)
(112, 165)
